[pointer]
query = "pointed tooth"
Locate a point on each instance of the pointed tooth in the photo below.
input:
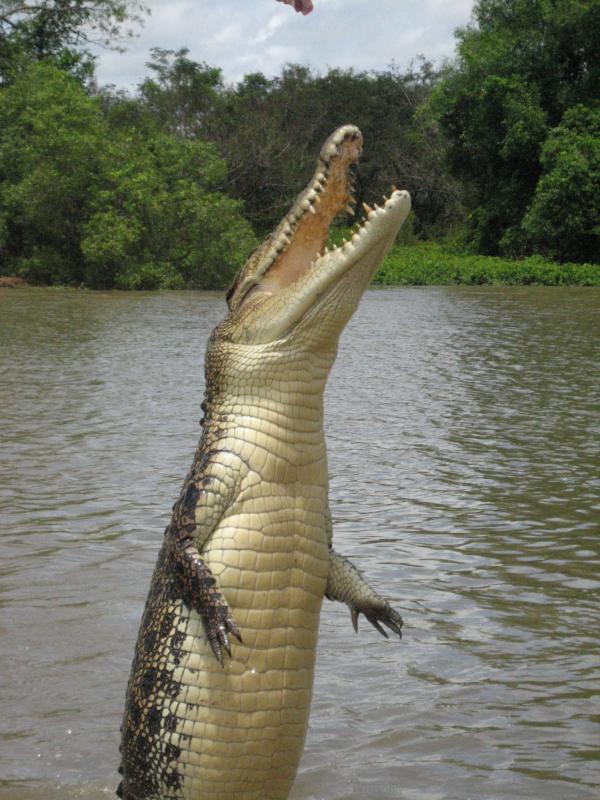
(312, 195)
(367, 209)
(349, 209)
(311, 209)
(395, 188)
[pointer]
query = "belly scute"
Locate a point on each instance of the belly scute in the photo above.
(241, 727)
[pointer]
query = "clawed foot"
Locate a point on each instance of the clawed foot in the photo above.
(218, 624)
(377, 612)
(200, 591)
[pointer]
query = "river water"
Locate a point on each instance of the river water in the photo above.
(464, 439)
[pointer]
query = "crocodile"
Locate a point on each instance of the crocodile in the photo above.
(220, 688)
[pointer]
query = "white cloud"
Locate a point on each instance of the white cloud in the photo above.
(228, 35)
(261, 36)
(265, 33)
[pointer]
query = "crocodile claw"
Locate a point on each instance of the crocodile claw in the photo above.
(218, 625)
(379, 613)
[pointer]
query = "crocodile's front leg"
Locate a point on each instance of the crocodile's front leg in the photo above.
(206, 494)
(346, 584)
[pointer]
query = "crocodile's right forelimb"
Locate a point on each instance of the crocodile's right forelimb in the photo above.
(199, 590)
(205, 496)
(346, 584)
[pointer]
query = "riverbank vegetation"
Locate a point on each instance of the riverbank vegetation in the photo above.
(434, 263)
(173, 185)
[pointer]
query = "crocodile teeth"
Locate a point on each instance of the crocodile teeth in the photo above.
(367, 209)
(307, 206)
(349, 208)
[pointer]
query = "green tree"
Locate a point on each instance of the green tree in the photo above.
(520, 66)
(60, 32)
(82, 201)
(52, 138)
(158, 221)
(563, 221)
(181, 92)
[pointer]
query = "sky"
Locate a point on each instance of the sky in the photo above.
(261, 35)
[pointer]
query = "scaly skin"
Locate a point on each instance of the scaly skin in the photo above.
(220, 688)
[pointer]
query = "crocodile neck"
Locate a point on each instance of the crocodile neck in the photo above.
(282, 414)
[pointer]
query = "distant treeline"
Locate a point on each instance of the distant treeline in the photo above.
(173, 185)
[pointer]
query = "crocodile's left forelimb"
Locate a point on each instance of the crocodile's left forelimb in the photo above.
(346, 584)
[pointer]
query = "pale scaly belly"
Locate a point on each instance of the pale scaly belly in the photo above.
(247, 721)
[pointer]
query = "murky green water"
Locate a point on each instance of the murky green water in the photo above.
(464, 431)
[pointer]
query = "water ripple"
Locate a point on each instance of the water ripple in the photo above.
(465, 481)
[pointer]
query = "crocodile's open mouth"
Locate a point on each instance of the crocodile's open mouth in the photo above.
(302, 235)
(295, 262)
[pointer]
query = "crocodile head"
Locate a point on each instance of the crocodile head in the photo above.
(293, 290)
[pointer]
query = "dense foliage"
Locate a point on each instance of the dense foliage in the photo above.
(269, 130)
(84, 201)
(171, 186)
(564, 217)
(520, 111)
(431, 263)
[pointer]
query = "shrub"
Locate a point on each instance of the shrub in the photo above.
(432, 264)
